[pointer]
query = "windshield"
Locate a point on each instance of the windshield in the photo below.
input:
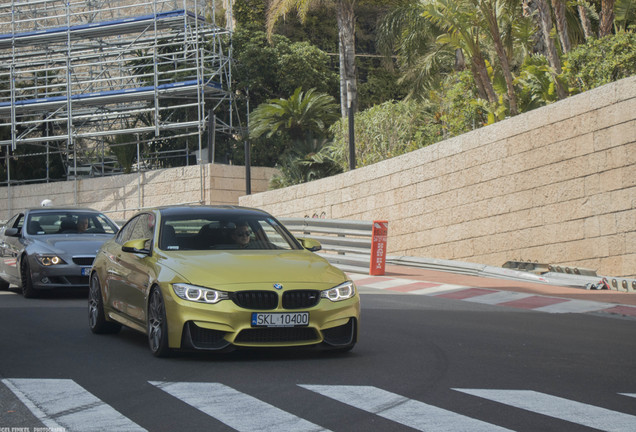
(201, 233)
(69, 222)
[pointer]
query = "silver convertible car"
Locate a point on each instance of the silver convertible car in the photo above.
(46, 248)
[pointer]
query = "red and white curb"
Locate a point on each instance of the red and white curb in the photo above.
(491, 296)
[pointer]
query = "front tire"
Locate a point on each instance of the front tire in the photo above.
(157, 325)
(27, 282)
(4, 285)
(96, 317)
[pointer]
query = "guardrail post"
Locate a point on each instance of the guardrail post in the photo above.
(378, 247)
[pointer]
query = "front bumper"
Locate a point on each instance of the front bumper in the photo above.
(225, 324)
(63, 276)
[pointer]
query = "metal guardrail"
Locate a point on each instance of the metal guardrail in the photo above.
(345, 243)
(524, 271)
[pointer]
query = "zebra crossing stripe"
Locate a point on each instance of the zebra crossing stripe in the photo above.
(400, 409)
(63, 404)
(237, 410)
(564, 409)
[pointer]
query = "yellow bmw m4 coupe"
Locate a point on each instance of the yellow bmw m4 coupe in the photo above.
(217, 278)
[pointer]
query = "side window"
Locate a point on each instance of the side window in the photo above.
(144, 228)
(14, 222)
(19, 221)
(126, 232)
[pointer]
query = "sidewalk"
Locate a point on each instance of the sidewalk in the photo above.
(504, 292)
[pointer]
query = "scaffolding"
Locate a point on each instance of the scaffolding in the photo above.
(78, 79)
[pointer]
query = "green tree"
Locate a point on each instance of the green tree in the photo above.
(422, 62)
(304, 118)
(384, 131)
(301, 116)
(249, 14)
(311, 160)
(275, 70)
(601, 61)
(463, 27)
(345, 15)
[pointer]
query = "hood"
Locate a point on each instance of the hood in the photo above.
(81, 244)
(220, 268)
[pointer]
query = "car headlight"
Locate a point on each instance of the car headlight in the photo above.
(198, 294)
(343, 291)
(49, 260)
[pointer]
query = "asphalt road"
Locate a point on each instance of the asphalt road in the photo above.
(422, 363)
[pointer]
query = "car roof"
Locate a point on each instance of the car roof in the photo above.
(207, 210)
(59, 209)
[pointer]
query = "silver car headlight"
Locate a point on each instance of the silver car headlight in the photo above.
(49, 260)
(198, 294)
(341, 292)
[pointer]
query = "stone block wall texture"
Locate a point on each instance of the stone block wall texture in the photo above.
(121, 196)
(555, 185)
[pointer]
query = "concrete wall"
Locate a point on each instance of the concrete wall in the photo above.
(121, 196)
(556, 185)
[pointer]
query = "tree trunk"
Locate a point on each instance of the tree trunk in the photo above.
(346, 32)
(460, 62)
(489, 13)
(482, 74)
(545, 21)
(562, 26)
(585, 23)
(481, 91)
(607, 18)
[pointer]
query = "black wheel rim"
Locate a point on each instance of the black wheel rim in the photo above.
(155, 321)
(93, 301)
(26, 277)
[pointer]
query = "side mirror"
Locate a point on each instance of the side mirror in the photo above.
(136, 246)
(12, 232)
(310, 244)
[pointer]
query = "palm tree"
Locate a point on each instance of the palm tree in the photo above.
(607, 18)
(584, 17)
(545, 23)
(345, 16)
(463, 29)
(302, 115)
(624, 14)
(422, 62)
(489, 8)
(558, 7)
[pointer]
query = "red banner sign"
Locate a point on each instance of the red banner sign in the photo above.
(378, 248)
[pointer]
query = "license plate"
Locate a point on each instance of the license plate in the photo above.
(280, 319)
(86, 271)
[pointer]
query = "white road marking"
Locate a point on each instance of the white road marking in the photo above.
(438, 290)
(575, 306)
(400, 409)
(63, 404)
(237, 410)
(498, 297)
(564, 409)
(388, 283)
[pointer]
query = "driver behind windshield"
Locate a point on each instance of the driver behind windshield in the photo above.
(241, 235)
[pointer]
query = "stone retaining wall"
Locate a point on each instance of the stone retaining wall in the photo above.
(121, 196)
(555, 185)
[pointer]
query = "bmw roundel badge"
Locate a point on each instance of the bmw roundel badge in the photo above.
(278, 286)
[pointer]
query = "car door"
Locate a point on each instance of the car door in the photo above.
(136, 270)
(11, 247)
(116, 274)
